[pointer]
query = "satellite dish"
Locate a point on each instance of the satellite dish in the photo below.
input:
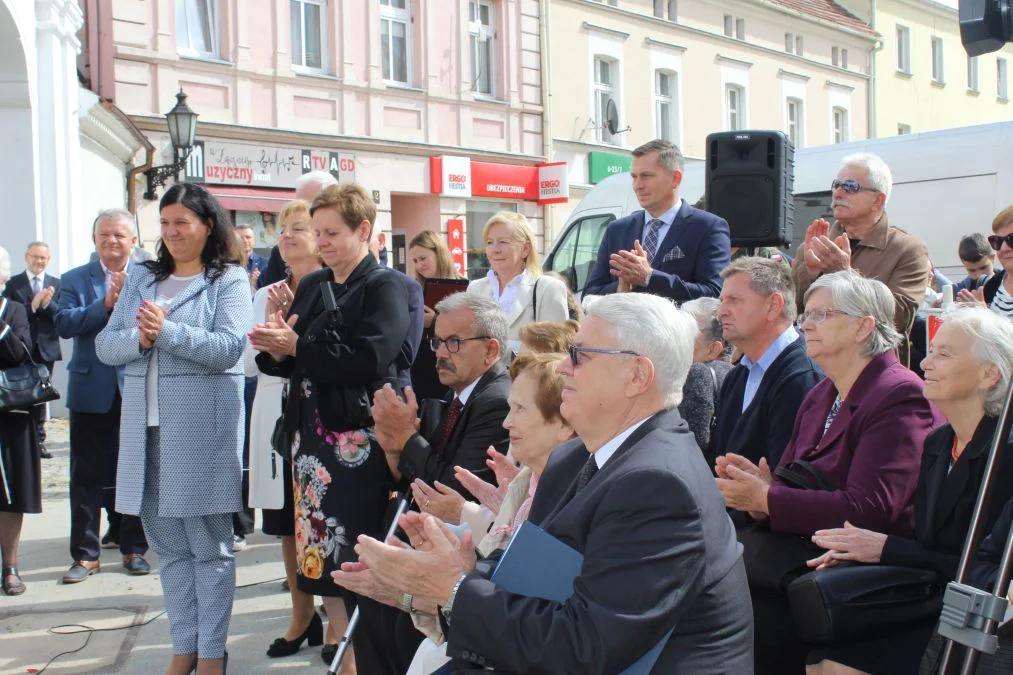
(612, 118)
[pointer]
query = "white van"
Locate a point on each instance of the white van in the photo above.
(945, 184)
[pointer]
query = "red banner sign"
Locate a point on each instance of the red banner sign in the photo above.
(455, 241)
(461, 177)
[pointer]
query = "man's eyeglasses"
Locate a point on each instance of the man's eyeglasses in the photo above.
(575, 352)
(453, 344)
(996, 240)
(818, 315)
(851, 186)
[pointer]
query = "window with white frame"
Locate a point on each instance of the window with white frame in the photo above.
(937, 60)
(740, 29)
(835, 56)
(666, 101)
(395, 40)
(1000, 78)
(197, 28)
(903, 129)
(789, 43)
(483, 52)
(793, 118)
(972, 73)
(844, 59)
(735, 107)
(840, 116)
(904, 49)
(798, 45)
(308, 33)
(605, 72)
(660, 7)
(729, 25)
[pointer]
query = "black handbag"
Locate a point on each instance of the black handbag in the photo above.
(774, 559)
(27, 385)
(856, 601)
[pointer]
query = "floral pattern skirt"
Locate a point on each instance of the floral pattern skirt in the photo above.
(341, 488)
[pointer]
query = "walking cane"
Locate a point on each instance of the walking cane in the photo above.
(970, 615)
(353, 621)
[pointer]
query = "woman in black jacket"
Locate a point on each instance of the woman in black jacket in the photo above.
(337, 345)
(21, 475)
(967, 373)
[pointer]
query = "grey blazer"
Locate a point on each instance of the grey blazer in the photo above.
(659, 554)
(200, 394)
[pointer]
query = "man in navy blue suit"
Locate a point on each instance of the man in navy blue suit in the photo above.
(669, 248)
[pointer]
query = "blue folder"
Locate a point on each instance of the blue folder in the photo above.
(537, 565)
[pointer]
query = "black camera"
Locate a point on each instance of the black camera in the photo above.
(985, 25)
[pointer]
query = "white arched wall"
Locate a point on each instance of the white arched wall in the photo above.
(19, 172)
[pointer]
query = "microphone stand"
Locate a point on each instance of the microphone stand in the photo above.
(353, 621)
(970, 616)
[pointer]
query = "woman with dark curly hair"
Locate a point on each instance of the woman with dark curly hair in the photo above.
(179, 329)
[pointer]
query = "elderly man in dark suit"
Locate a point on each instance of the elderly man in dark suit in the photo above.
(37, 291)
(669, 248)
(88, 295)
(659, 552)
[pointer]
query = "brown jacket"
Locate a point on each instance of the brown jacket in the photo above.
(891, 255)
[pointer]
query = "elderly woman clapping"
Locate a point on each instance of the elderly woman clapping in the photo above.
(967, 373)
(853, 457)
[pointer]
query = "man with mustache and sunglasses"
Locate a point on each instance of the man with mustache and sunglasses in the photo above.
(862, 238)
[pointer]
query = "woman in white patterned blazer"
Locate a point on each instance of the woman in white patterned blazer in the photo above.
(181, 430)
(515, 279)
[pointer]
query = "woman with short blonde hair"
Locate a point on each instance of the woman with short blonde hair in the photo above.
(515, 279)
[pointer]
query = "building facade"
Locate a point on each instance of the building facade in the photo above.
(681, 70)
(434, 106)
(923, 78)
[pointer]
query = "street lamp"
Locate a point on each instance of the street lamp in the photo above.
(182, 122)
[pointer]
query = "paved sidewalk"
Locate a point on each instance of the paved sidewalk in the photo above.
(112, 599)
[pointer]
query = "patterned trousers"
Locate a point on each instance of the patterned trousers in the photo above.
(197, 568)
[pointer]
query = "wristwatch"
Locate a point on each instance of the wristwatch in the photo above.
(445, 611)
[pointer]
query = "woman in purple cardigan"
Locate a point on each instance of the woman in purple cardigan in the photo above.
(853, 457)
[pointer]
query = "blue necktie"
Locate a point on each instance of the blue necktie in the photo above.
(651, 240)
(36, 286)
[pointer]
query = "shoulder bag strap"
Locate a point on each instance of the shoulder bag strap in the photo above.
(534, 300)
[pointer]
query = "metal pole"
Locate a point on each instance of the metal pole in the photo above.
(353, 621)
(999, 441)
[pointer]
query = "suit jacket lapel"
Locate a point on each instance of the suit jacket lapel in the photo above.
(98, 280)
(960, 474)
(660, 419)
(936, 461)
(674, 233)
(523, 299)
(460, 425)
(635, 230)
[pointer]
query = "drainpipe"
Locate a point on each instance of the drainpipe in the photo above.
(543, 38)
(872, 71)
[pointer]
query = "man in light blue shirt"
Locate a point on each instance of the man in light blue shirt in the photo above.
(761, 396)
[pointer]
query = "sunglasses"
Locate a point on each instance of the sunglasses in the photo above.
(574, 351)
(851, 186)
(996, 240)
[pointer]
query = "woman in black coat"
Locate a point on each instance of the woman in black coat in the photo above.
(335, 357)
(21, 475)
(967, 372)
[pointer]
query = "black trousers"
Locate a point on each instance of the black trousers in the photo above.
(243, 521)
(385, 640)
(94, 451)
(39, 414)
(776, 647)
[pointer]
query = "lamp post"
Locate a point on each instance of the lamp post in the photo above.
(182, 122)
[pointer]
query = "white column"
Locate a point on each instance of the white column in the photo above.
(57, 24)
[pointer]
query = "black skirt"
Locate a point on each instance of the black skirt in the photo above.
(21, 479)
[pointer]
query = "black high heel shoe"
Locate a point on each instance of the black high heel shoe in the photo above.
(314, 635)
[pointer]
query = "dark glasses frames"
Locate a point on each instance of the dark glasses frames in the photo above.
(576, 351)
(996, 240)
(453, 344)
(850, 186)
